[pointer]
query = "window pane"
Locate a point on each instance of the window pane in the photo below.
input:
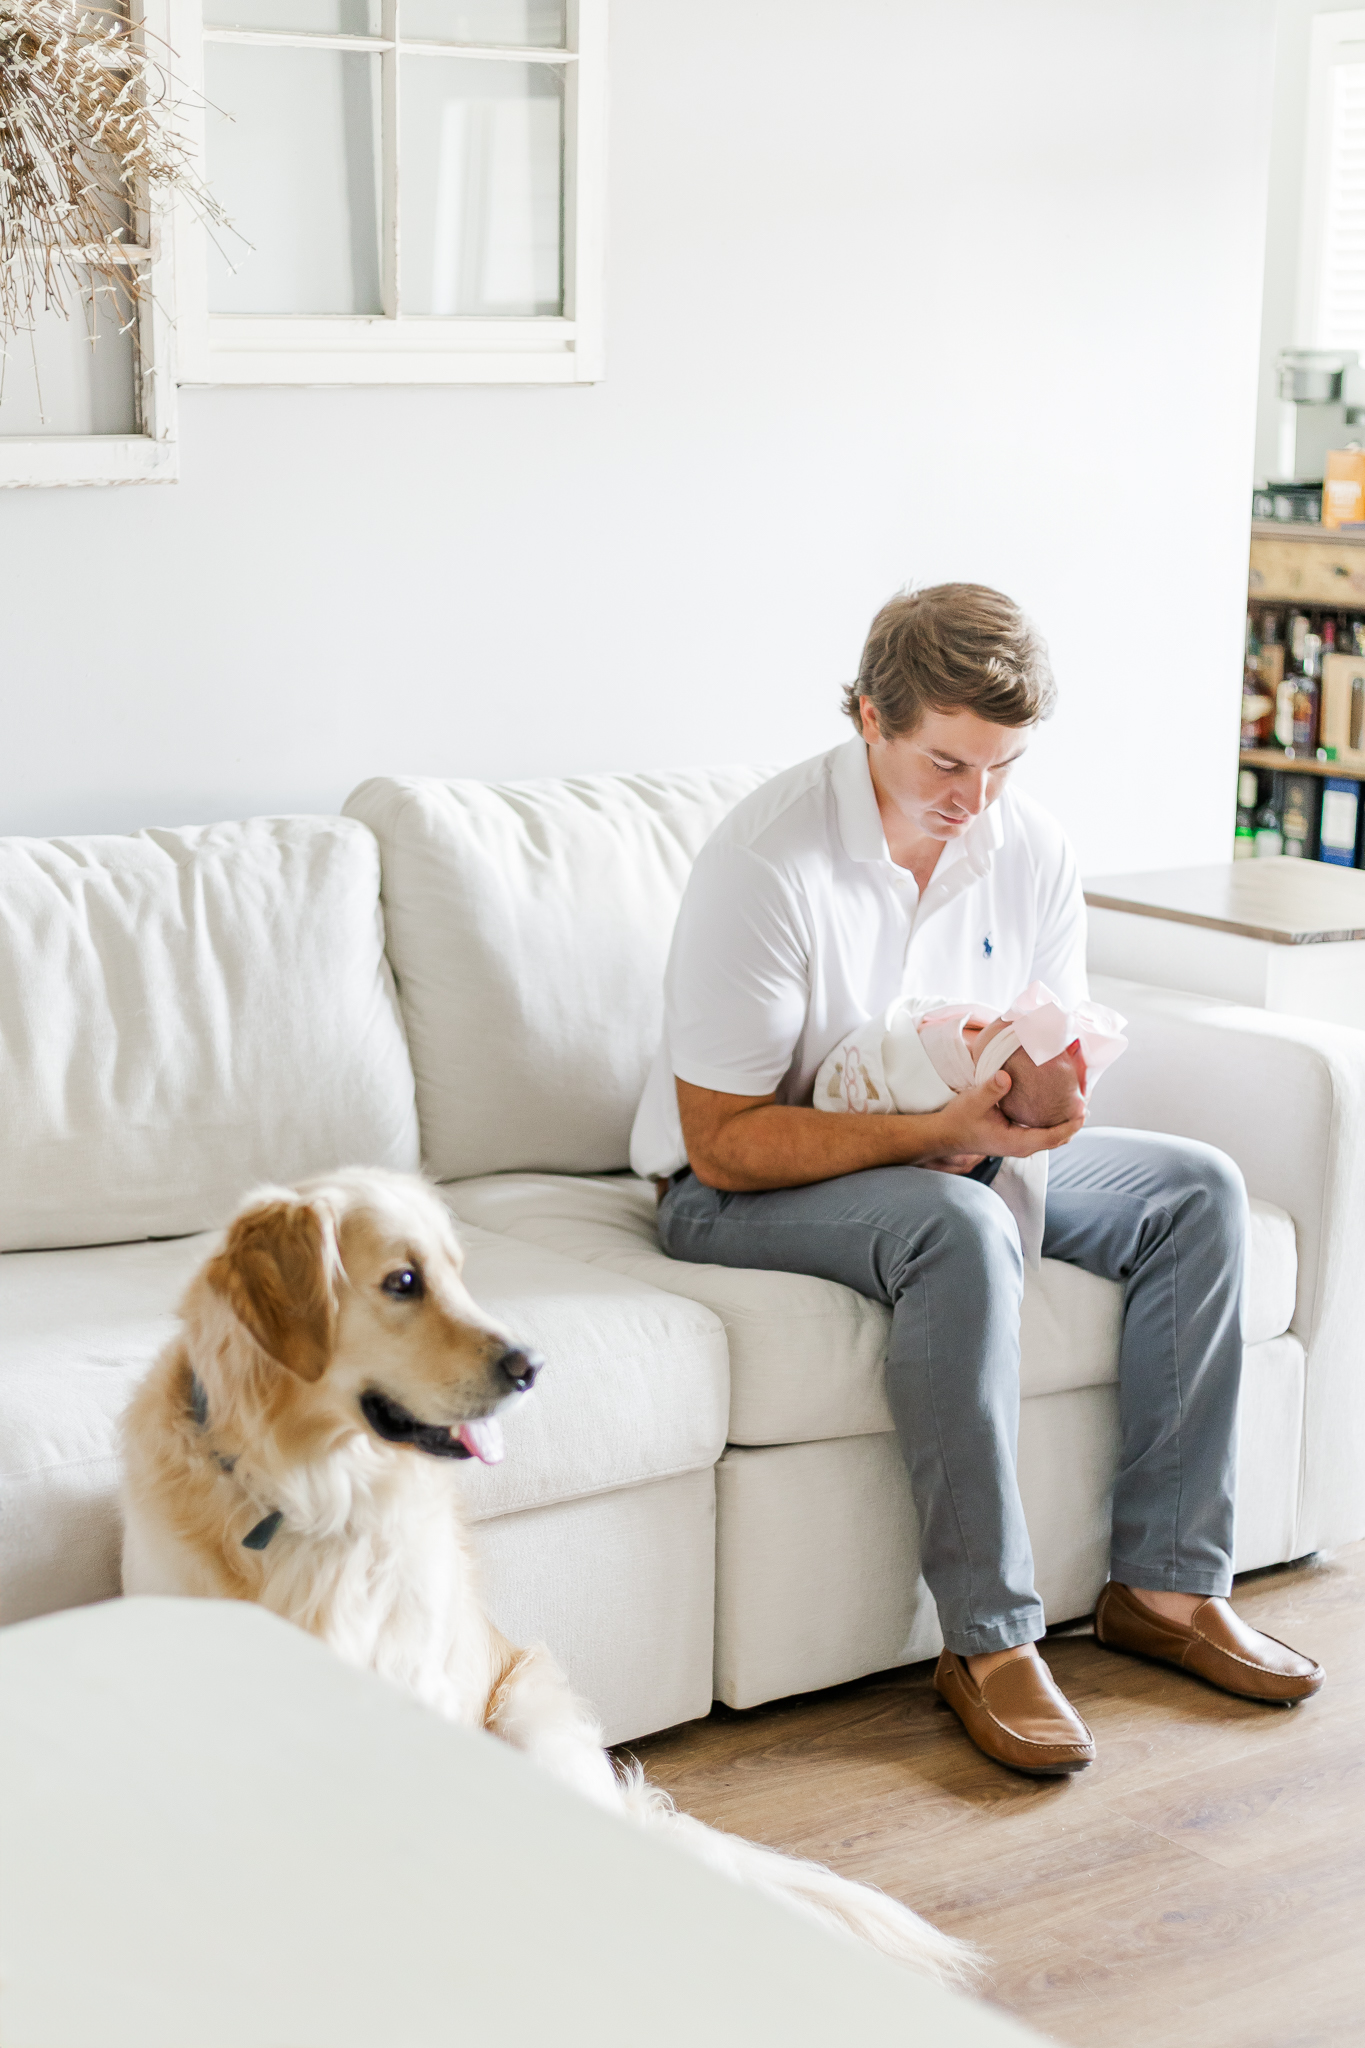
(297, 166)
(481, 182)
(56, 383)
(320, 17)
(506, 23)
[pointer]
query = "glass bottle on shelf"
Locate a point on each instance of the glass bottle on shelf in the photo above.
(1304, 731)
(1258, 717)
(1258, 706)
(1269, 837)
(1244, 840)
(1296, 814)
(1284, 712)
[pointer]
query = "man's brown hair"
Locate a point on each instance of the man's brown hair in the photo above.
(954, 647)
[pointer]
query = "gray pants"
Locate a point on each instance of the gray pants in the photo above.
(1165, 1216)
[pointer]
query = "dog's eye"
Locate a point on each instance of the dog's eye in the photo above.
(404, 1285)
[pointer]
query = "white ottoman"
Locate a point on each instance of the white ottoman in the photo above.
(215, 1832)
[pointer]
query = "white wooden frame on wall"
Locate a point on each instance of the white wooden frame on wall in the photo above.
(151, 455)
(389, 348)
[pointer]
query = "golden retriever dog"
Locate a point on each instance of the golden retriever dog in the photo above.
(293, 1445)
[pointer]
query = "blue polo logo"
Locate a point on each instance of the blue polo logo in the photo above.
(986, 946)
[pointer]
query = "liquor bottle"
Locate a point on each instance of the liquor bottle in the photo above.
(1358, 636)
(1284, 712)
(1299, 815)
(1340, 822)
(1258, 720)
(1269, 838)
(1329, 636)
(1298, 630)
(1244, 840)
(1258, 708)
(1304, 732)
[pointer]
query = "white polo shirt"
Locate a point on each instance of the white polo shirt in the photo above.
(796, 926)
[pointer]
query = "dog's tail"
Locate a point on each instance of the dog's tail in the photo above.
(837, 1902)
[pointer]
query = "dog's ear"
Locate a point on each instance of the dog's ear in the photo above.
(277, 1272)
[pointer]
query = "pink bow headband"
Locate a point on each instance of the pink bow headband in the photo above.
(1037, 1022)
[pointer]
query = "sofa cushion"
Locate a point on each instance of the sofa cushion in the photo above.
(77, 1331)
(528, 926)
(636, 1385)
(806, 1355)
(635, 1389)
(185, 1014)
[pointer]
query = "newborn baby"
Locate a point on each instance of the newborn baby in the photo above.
(919, 1054)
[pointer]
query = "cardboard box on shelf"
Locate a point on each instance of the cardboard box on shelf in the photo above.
(1343, 487)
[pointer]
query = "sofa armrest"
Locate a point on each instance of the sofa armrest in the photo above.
(1284, 1097)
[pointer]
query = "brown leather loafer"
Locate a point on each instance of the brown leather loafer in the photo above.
(1214, 1644)
(1017, 1716)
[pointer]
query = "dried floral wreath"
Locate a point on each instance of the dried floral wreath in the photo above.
(90, 141)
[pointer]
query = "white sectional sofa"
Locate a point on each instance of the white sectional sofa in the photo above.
(705, 1497)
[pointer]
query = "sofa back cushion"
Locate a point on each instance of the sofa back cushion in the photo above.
(184, 1014)
(528, 926)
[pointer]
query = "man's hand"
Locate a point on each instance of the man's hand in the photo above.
(979, 1129)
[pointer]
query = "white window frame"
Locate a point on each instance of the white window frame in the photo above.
(234, 348)
(152, 454)
(1336, 39)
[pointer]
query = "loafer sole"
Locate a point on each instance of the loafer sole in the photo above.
(1066, 1770)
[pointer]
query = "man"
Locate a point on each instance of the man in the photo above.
(904, 862)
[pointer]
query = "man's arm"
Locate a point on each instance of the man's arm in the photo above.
(741, 1144)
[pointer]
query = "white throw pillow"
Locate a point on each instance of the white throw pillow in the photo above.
(184, 1014)
(528, 926)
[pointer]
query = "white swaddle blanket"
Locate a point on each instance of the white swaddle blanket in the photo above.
(915, 1058)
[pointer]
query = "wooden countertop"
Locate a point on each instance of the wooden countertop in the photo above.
(1288, 902)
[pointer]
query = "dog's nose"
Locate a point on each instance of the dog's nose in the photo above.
(520, 1367)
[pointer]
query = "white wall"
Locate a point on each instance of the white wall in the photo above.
(898, 288)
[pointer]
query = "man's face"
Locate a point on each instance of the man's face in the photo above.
(942, 775)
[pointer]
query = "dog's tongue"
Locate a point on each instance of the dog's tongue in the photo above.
(483, 1439)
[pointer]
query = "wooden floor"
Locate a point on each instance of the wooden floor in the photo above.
(1202, 1885)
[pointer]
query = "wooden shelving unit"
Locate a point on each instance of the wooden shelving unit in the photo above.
(1311, 569)
(1301, 764)
(1306, 565)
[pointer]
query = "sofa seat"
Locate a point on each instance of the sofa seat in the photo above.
(807, 1355)
(635, 1391)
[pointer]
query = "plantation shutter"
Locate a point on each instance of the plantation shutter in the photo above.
(1340, 321)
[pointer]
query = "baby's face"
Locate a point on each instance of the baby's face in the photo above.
(1040, 1096)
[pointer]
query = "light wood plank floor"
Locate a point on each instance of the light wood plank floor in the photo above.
(1202, 1885)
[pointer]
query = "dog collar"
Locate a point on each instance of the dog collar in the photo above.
(255, 1538)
